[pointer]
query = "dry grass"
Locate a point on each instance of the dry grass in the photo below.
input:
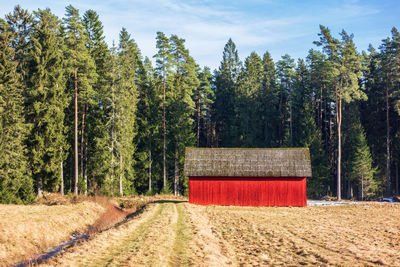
(117, 245)
(171, 233)
(32, 229)
(29, 230)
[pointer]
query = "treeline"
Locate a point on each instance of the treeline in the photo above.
(77, 116)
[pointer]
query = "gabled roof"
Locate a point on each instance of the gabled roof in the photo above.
(251, 162)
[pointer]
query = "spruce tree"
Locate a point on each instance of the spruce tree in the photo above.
(248, 105)
(46, 101)
(129, 61)
(96, 156)
(148, 128)
(360, 167)
(269, 99)
(204, 98)
(15, 181)
(225, 93)
(306, 133)
(285, 70)
(20, 24)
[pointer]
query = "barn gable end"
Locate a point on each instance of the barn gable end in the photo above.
(248, 177)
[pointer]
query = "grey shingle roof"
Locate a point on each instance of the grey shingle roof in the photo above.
(253, 162)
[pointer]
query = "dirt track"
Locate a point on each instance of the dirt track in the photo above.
(174, 233)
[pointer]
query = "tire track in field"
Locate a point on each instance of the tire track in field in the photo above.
(156, 246)
(207, 246)
(101, 249)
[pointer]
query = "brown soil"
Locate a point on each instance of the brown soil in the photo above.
(350, 235)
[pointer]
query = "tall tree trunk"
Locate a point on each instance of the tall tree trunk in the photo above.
(83, 144)
(150, 162)
(339, 128)
(198, 119)
(85, 161)
(112, 148)
(280, 125)
(61, 175)
(76, 133)
(176, 174)
(291, 117)
(164, 136)
(388, 191)
(121, 192)
(397, 179)
(112, 141)
(39, 187)
(112, 127)
(327, 112)
(362, 187)
(214, 142)
(320, 120)
(349, 193)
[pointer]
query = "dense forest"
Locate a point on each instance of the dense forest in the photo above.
(80, 117)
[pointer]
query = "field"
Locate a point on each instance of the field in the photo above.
(176, 233)
(29, 230)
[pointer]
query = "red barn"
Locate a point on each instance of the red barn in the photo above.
(248, 177)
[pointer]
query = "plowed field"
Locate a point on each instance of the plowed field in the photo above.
(176, 233)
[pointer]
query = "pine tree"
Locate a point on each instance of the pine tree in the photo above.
(390, 75)
(346, 70)
(163, 59)
(81, 74)
(15, 180)
(46, 101)
(181, 106)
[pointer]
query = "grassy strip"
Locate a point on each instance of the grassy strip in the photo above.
(29, 230)
(131, 243)
(179, 256)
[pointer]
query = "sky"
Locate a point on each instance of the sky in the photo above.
(277, 26)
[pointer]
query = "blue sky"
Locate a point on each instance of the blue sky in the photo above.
(279, 26)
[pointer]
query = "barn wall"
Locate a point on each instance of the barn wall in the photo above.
(248, 191)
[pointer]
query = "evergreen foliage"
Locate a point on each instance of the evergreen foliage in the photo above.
(96, 147)
(79, 116)
(226, 78)
(45, 102)
(16, 185)
(128, 62)
(204, 97)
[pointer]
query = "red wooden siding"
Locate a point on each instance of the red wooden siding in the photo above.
(248, 191)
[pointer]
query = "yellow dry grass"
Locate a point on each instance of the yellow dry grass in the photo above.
(27, 230)
(175, 233)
